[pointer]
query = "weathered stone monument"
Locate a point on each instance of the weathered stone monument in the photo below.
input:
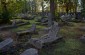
(48, 38)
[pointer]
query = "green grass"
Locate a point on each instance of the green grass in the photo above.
(67, 47)
(72, 31)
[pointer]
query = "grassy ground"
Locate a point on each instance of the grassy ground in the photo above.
(71, 45)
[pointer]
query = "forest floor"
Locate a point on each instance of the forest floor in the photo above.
(69, 45)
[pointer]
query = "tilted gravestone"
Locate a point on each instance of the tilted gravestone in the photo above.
(44, 20)
(48, 38)
(14, 23)
(66, 17)
(82, 28)
(82, 38)
(46, 30)
(30, 51)
(31, 30)
(6, 44)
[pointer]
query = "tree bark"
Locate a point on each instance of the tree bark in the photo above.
(52, 9)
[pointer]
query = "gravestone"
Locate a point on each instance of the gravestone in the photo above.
(31, 30)
(30, 51)
(66, 17)
(21, 24)
(48, 38)
(82, 38)
(14, 23)
(6, 27)
(44, 20)
(6, 44)
(82, 28)
(46, 30)
(83, 19)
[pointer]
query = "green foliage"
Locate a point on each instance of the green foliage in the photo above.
(83, 7)
(15, 7)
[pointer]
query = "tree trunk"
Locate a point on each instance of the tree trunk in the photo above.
(42, 9)
(52, 9)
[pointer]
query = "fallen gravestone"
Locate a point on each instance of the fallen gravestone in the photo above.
(44, 20)
(82, 28)
(23, 16)
(26, 16)
(6, 27)
(66, 17)
(14, 25)
(19, 23)
(31, 30)
(25, 23)
(30, 51)
(48, 38)
(82, 38)
(6, 44)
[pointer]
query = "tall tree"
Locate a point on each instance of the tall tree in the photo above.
(42, 4)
